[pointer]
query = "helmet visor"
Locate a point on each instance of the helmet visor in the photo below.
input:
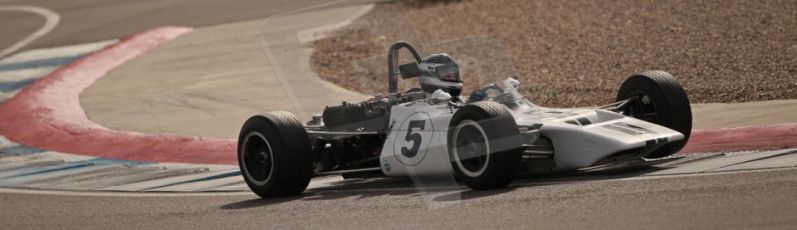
(449, 73)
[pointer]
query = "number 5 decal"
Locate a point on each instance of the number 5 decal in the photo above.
(415, 138)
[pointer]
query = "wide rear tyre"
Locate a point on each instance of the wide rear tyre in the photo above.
(661, 100)
(274, 155)
(484, 145)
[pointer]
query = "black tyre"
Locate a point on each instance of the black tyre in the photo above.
(661, 100)
(484, 145)
(274, 155)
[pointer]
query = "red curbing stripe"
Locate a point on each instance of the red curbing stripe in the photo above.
(47, 114)
(742, 139)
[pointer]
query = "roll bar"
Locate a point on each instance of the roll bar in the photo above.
(392, 62)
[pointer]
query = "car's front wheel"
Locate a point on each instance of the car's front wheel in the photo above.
(484, 145)
(657, 97)
(274, 155)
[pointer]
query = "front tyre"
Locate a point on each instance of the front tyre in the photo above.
(274, 155)
(484, 145)
(658, 98)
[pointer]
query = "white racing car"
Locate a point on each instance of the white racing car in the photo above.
(484, 140)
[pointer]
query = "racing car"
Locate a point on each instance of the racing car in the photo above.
(485, 140)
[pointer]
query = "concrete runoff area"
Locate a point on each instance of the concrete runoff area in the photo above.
(729, 115)
(206, 83)
(189, 86)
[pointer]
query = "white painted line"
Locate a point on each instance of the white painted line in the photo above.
(74, 177)
(32, 163)
(69, 157)
(21, 158)
(788, 160)
(200, 185)
(9, 175)
(48, 155)
(712, 163)
(21, 180)
(231, 188)
(120, 194)
(316, 33)
(687, 159)
(78, 182)
(25, 74)
(5, 143)
(143, 185)
(132, 178)
(6, 96)
(51, 21)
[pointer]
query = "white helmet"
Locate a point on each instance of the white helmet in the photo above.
(440, 71)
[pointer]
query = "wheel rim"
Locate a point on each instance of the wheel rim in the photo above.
(471, 148)
(642, 107)
(257, 158)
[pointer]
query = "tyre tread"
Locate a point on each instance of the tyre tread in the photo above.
(293, 173)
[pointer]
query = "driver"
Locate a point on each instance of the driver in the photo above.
(443, 74)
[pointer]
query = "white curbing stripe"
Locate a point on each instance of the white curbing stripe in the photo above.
(230, 188)
(163, 182)
(20, 181)
(25, 74)
(5, 143)
(52, 183)
(200, 185)
(121, 177)
(56, 52)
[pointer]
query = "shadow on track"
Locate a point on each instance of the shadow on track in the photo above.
(257, 202)
(439, 190)
(472, 194)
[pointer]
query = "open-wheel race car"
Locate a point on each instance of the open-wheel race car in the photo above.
(484, 140)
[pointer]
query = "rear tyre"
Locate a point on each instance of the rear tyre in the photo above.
(484, 145)
(661, 100)
(274, 155)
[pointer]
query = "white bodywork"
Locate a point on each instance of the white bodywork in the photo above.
(580, 137)
(431, 157)
(579, 144)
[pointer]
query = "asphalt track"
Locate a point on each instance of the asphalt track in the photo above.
(737, 200)
(85, 21)
(26, 24)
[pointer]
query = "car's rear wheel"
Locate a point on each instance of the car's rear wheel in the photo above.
(274, 155)
(658, 98)
(484, 145)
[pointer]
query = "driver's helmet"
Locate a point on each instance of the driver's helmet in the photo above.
(443, 74)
